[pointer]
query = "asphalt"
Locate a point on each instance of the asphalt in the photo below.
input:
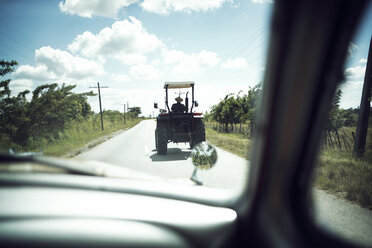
(135, 149)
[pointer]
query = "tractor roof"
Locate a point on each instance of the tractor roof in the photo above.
(178, 85)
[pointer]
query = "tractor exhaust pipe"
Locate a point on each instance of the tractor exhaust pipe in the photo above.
(187, 102)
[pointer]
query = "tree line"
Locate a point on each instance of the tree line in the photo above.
(49, 111)
(241, 108)
(27, 118)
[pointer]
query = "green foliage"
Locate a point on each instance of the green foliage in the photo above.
(335, 120)
(50, 111)
(234, 143)
(340, 173)
(349, 116)
(7, 67)
(204, 156)
(338, 117)
(81, 133)
(135, 111)
(237, 109)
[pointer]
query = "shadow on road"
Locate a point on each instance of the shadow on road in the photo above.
(173, 154)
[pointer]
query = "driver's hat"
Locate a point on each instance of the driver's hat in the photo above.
(179, 99)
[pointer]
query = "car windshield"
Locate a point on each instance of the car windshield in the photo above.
(134, 84)
(164, 90)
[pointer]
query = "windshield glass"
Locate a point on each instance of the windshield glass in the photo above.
(87, 82)
(343, 176)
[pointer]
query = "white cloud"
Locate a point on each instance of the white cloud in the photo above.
(237, 63)
(262, 1)
(351, 49)
(119, 78)
(356, 71)
(126, 40)
(182, 64)
(83, 8)
(111, 8)
(18, 85)
(354, 84)
(164, 7)
(362, 61)
(38, 73)
(55, 64)
(145, 72)
(114, 98)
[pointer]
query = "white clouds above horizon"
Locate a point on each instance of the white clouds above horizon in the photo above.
(353, 85)
(125, 40)
(362, 61)
(355, 71)
(164, 7)
(262, 1)
(111, 8)
(88, 9)
(186, 65)
(145, 72)
(54, 64)
(351, 49)
(19, 85)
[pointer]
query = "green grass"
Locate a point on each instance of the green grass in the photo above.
(76, 135)
(342, 174)
(80, 134)
(231, 142)
(337, 172)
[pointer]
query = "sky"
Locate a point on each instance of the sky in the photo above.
(134, 46)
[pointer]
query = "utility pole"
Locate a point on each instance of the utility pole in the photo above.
(125, 121)
(128, 110)
(364, 111)
(100, 105)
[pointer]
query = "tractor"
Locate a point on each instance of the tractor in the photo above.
(178, 125)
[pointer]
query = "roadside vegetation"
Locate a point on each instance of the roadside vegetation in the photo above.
(54, 119)
(231, 124)
(81, 133)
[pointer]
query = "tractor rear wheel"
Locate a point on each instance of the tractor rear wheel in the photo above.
(198, 133)
(162, 140)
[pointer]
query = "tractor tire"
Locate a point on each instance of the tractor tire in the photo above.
(162, 140)
(156, 139)
(198, 134)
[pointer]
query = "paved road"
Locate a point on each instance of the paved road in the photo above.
(135, 149)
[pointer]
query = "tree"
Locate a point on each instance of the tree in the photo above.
(254, 94)
(335, 119)
(7, 67)
(237, 109)
(49, 112)
(136, 111)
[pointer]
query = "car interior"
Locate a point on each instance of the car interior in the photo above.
(305, 60)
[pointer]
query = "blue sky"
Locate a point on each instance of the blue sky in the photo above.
(134, 46)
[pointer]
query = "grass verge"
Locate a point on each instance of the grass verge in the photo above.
(76, 135)
(231, 142)
(342, 174)
(82, 133)
(337, 172)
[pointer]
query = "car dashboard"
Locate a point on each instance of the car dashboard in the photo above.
(36, 213)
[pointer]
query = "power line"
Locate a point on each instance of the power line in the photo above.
(240, 50)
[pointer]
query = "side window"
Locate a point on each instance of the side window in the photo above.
(343, 181)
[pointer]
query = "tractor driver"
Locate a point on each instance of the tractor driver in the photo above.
(178, 107)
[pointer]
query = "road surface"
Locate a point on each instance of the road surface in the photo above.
(135, 149)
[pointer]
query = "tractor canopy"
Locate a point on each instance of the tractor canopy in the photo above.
(178, 85)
